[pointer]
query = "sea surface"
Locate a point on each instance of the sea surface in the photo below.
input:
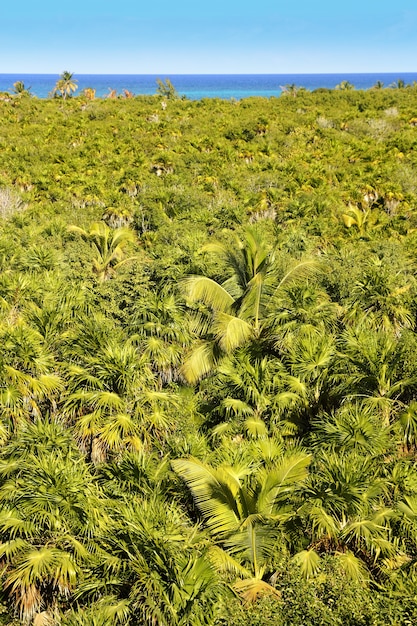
(198, 86)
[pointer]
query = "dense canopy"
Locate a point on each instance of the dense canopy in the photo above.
(208, 374)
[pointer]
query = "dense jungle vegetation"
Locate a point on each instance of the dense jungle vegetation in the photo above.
(208, 370)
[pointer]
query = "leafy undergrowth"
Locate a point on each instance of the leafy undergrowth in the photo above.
(208, 367)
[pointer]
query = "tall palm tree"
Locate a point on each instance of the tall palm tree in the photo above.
(65, 86)
(20, 89)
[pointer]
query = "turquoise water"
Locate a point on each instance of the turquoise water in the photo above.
(198, 86)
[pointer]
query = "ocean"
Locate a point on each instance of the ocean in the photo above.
(198, 86)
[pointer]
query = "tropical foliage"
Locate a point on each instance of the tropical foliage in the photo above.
(208, 379)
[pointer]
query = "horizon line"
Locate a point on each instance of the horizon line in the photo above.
(298, 73)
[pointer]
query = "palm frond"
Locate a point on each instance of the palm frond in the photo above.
(281, 480)
(199, 362)
(208, 291)
(256, 427)
(214, 493)
(231, 331)
(224, 562)
(250, 589)
(308, 562)
(353, 567)
(300, 270)
(236, 407)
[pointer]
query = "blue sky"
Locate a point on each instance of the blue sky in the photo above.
(215, 36)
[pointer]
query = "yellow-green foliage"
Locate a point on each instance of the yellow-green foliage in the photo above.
(208, 379)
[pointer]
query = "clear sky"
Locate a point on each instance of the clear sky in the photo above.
(209, 36)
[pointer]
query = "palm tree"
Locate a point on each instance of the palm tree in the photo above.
(166, 89)
(107, 611)
(303, 304)
(363, 219)
(244, 507)
(162, 332)
(65, 86)
(109, 245)
(353, 426)
(385, 294)
(250, 393)
(346, 513)
(89, 93)
(236, 312)
(408, 426)
(114, 399)
(345, 85)
(57, 311)
(373, 364)
(310, 358)
(51, 509)
(29, 382)
(20, 90)
(292, 90)
(159, 571)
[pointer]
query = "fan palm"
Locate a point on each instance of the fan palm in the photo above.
(345, 85)
(374, 369)
(50, 510)
(345, 511)
(354, 426)
(256, 388)
(310, 356)
(60, 309)
(115, 401)
(108, 611)
(28, 378)
(162, 333)
(408, 426)
(303, 304)
(158, 565)
(384, 295)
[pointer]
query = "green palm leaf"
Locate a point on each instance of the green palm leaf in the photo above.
(353, 567)
(280, 481)
(230, 331)
(199, 362)
(206, 290)
(215, 494)
(308, 561)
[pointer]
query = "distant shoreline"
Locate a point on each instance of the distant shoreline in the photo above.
(199, 86)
